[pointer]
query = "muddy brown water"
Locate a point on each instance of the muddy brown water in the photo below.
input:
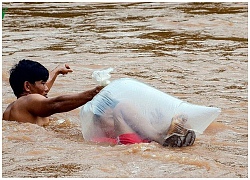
(197, 52)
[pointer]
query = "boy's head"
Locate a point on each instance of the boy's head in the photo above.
(26, 70)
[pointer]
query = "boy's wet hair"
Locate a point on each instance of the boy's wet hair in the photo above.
(26, 70)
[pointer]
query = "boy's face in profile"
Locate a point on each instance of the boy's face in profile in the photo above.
(39, 87)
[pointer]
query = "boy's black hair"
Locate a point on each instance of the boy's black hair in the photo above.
(26, 70)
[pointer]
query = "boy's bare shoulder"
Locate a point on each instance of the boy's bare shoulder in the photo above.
(6, 113)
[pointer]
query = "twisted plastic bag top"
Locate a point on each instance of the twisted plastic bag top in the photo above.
(153, 105)
(101, 77)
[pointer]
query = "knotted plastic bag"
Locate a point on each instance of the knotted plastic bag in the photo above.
(154, 106)
(101, 77)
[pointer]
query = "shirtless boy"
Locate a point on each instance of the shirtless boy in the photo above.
(31, 83)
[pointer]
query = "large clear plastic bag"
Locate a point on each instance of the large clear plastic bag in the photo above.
(153, 105)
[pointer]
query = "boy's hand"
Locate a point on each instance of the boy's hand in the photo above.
(64, 70)
(98, 89)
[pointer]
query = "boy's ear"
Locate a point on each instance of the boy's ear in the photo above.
(26, 86)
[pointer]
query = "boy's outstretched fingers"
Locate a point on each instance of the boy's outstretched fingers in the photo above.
(67, 66)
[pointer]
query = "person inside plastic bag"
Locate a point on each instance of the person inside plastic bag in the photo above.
(119, 123)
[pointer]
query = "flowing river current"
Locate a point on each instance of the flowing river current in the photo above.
(197, 52)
